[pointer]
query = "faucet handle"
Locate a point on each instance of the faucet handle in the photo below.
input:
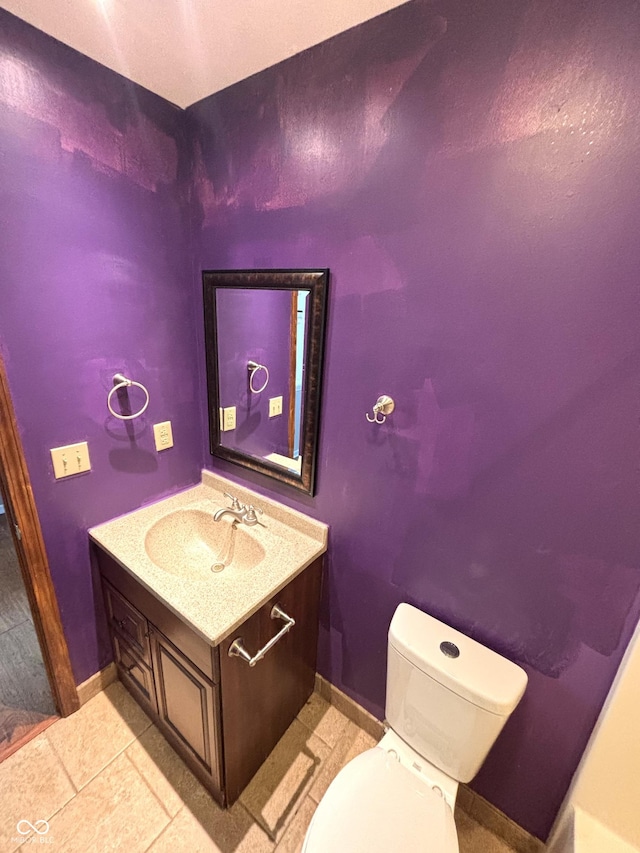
(235, 503)
(251, 514)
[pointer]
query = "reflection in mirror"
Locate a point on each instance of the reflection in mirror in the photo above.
(260, 360)
(264, 337)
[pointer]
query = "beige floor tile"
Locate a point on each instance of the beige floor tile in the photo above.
(474, 838)
(293, 837)
(352, 742)
(323, 719)
(33, 786)
(115, 811)
(163, 770)
(202, 826)
(276, 791)
(92, 737)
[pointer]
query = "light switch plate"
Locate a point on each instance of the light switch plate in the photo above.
(275, 406)
(70, 459)
(227, 418)
(163, 435)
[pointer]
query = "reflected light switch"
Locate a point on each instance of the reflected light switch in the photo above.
(275, 406)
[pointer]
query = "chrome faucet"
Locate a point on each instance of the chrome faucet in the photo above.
(247, 514)
(238, 514)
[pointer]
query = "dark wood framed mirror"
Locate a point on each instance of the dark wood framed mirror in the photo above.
(264, 342)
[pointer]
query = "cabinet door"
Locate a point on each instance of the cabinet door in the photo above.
(187, 705)
(260, 702)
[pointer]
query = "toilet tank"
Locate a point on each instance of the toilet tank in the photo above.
(448, 696)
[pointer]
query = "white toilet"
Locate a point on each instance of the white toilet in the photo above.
(448, 698)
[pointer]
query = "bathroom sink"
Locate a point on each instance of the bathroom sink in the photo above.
(189, 544)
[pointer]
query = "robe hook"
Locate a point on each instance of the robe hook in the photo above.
(383, 407)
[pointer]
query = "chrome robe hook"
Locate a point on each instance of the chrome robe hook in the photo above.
(383, 407)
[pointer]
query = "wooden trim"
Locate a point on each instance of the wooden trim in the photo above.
(32, 557)
(96, 683)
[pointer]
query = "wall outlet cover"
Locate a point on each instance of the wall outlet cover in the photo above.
(227, 418)
(163, 435)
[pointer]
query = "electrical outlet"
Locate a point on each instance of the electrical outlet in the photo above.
(163, 435)
(228, 418)
(275, 406)
(70, 459)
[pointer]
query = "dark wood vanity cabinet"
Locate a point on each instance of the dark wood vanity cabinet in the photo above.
(221, 715)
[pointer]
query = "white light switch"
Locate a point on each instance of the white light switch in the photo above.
(228, 418)
(70, 459)
(163, 435)
(275, 406)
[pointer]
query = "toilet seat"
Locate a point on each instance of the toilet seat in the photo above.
(375, 805)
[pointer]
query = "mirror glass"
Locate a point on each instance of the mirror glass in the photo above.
(264, 343)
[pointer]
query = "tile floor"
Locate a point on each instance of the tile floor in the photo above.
(105, 779)
(25, 696)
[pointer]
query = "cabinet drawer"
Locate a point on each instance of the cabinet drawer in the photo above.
(134, 672)
(128, 622)
(140, 600)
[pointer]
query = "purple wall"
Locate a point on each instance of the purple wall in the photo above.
(469, 173)
(95, 278)
(254, 325)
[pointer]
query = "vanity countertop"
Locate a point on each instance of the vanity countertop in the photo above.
(291, 541)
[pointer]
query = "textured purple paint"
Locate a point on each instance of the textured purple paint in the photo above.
(469, 175)
(254, 325)
(94, 278)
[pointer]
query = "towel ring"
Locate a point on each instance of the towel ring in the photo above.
(253, 367)
(122, 382)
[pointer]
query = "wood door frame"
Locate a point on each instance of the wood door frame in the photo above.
(32, 556)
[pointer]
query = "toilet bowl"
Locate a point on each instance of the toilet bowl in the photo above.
(448, 698)
(377, 804)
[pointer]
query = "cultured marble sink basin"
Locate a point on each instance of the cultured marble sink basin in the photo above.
(172, 546)
(188, 543)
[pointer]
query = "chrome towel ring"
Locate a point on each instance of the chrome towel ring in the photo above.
(120, 381)
(253, 367)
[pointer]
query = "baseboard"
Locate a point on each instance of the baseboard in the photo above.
(350, 708)
(486, 814)
(97, 683)
(468, 801)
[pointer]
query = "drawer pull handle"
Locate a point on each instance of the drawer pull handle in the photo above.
(237, 649)
(121, 623)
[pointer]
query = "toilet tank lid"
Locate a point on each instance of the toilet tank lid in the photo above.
(477, 674)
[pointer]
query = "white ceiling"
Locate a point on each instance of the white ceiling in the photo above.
(185, 50)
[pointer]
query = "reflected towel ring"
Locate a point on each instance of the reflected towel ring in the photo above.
(121, 381)
(253, 367)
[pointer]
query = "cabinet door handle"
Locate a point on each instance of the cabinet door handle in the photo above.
(237, 649)
(121, 623)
